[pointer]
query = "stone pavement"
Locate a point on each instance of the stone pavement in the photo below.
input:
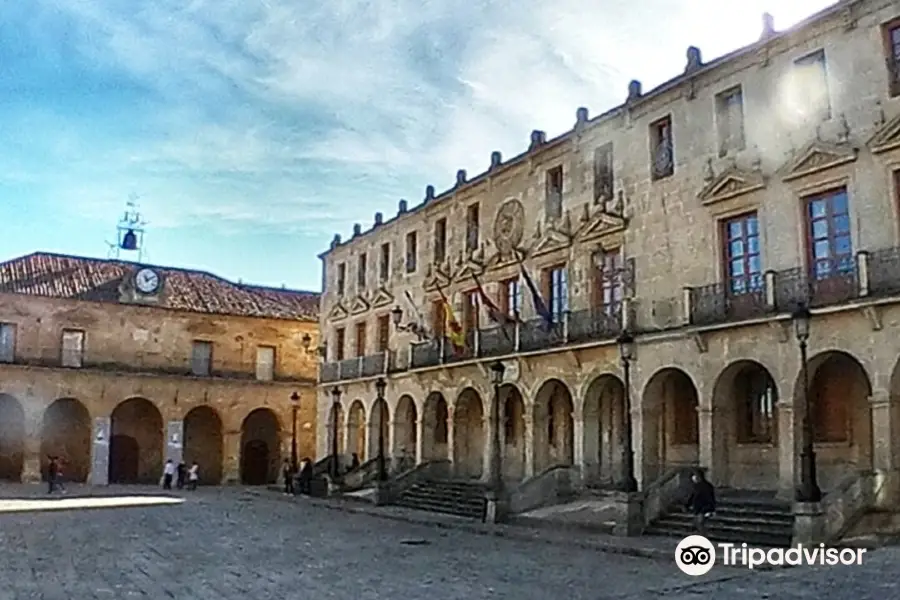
(226, 544)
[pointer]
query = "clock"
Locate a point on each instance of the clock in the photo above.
(147, 281)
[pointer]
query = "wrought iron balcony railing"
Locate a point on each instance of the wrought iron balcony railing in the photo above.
(354, 368)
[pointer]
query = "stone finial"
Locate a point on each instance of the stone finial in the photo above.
(336, 240)
(538, 138)
(401, 207)
(379, 219)
(357, 229)
(460, 177)
(768, 26)
(581, 115)
(694, 59)
(429, 193)
(634, 90)
(496, 159)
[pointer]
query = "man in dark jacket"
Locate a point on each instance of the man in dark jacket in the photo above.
(702, 502)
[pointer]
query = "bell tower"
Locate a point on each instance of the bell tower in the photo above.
(129, 243)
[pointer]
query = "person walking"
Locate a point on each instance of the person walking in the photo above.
(702, 502)
(287, 472)
(193, 476)
(168, 474)
(52, 468)
(181, 476)
(306, 476)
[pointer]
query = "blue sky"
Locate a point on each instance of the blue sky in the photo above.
(253, 131)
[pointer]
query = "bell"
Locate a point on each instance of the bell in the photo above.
(129, 240)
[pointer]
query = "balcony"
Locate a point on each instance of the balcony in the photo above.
(354, 368)
(54, 357)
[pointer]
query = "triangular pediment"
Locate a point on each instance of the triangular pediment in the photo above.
(435, 277)
(337, 312)
(887, 137)
(816, 157)
(503, 258)
(600, 224)
(359, 305)
(551, 241)
(467, 270)
(731, 183)
(382, 297)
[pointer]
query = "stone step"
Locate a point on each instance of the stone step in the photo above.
(450, 508)
(750, 521)
(750, 537)
(434, 492)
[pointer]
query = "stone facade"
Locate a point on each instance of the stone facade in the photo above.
(698, 216)
(115, 381)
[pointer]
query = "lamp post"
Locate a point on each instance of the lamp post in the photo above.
(295, 404)
(380, 385)
(809, 487)
(627, 354)
(496, 483)
(335, 411)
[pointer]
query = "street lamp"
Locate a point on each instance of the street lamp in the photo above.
(335, 411)
(295, 404)
(809, 487)
(380, 384)
(496, 482)
(627, 355)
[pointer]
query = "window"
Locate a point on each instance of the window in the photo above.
(384, 265)
(72, 347)
(265, 363)
(437, 318)
(7, 342)
(440, 240)
(808, 87)
(603, 173)
(340, 343)
(361, 267)
(384, 332)
(470, 311)
(412, 251)
(609, 288)
(553, 200)
(662, 149)
(892, 54)
(556, 291)
(756, 396)
(511, 297)
(341, 278)
(828, 235)
(201, 358)
(361, 339)
(472, 233)
(743, 265)
(730, 120)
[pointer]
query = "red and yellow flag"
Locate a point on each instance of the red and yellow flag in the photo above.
(452, 328)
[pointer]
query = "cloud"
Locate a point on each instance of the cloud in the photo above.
(308, 119)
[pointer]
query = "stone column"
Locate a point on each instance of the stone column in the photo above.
(706, 453)
(175, 441)
(420, 444)
(231, 457)
(529, 444)
(451, 435)
(883, 460)
(641, 460)
(788, 450)
(487, 457)
(100, 436)
(578, 442)
(31, 464)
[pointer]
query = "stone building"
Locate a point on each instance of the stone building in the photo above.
(699, 215)
(116, 366)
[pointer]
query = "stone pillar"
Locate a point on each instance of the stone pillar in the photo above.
(529, 444)
(488, 455)
(175, 441)
(883, 460)
(578, 442)
(419, 450)
(788, 441)
(641, 460)
(231, 457)
(706, 452)
(31, 467)
(451, 435)
(391, 441)
(100, 436)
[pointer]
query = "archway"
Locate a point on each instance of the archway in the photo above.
(839, 391)
(671, 430)
(203, 443)
(554, 431)
(379, 420)
(435, 429)
(356, 430)
(604, 431)
(512, 432)
(468, 435)
(405, 434)
(745, 439)
(12, 438)
(136, 442)
(66, 433)
(260, 447)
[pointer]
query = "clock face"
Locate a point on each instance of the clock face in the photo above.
(146, 281)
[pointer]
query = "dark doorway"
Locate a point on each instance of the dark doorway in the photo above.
(255, 463)
(124, 458)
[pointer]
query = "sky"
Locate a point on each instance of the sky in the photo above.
(250, 132)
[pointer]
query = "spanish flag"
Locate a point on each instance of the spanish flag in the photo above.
(452, 328)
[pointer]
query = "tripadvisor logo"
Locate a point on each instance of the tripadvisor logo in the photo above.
(695, 555)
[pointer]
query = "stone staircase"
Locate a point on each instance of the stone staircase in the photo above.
(452, 497)
(756, 518)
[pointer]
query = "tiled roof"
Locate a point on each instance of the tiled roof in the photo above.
(98, 280)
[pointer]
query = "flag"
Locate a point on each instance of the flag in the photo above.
(420, 321)
(539, 306)
(494, 313)
(453, 329)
